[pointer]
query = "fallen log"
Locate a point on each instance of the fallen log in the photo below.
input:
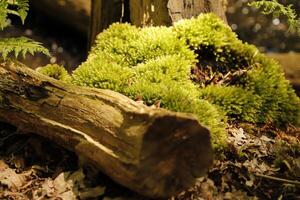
(154, 152)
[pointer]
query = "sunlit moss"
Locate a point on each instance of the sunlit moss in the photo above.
(103, 73)
(128, 45)
(55, 71)
(266, 91)
(280, 104)
(164, 81)
(236, 102)
(154, 65)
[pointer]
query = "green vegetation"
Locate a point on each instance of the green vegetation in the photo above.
(19, 45)
(263, 83)
(21, 11)
(214, 43)
(238, 103)
(102, 72)
(277, 9)
(280, 104)
(157, 65)
(55, 71)
(129, 46)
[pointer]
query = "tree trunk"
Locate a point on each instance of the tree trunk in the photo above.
(93, 16)
(152, 151)
(103, 14)
(166, 12)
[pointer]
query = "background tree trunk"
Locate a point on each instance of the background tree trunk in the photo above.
(103, 14)
(165, 12)
(152, 151)
(93, 16)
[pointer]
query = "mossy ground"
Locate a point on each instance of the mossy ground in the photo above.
(197, 66)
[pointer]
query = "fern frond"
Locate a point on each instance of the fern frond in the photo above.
(3, 13)
(20, 45)
(277, 9)
(23, 7)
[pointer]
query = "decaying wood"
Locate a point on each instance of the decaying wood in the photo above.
(165, 12)
(152, 151)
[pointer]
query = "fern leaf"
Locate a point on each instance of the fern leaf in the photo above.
(3, 14)
(21, 45)
(277, 9)
(23, 7)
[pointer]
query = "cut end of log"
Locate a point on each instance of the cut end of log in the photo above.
(176, 151)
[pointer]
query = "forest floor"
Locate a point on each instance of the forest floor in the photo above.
(260, 163)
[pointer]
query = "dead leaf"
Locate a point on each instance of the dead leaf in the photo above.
(10, 178)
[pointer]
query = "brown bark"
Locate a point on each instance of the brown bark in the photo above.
(152, 151)
(103, 14)
(165, 12)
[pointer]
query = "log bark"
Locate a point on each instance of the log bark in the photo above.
(152, 151)
(166, 12)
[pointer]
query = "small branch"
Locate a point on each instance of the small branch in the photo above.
(294, 182)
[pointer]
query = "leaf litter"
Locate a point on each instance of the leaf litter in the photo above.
(259, 163)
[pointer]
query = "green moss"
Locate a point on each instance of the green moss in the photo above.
(206, 30)
(55, 71)
(129, 46)
(280, 105)
(237, 103)
(266, 92)
(172, 67)
(161, 41)
(212, 40)
(164, 80)
(102, 72)
(154, 65)
(119, 43)
(182, 97)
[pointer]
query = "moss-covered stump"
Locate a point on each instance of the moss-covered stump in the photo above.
(197, 66)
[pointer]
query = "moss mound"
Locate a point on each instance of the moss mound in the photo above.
(261, 94)
(55, 71)
(103, 72)
(129, 46)
(197, 66)
(236, 102)
(280, 104)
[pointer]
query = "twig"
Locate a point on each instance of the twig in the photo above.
(279, 179)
